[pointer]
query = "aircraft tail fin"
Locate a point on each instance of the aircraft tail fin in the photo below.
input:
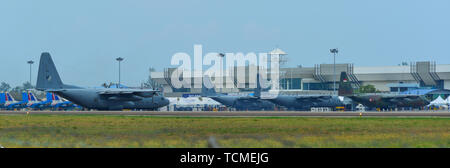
(32, 97)
(8, 97)
(25, 97)
(49, 96)
(345, 86)
(48, 77)
(258, 89)
(52, 97)
(207, 87)
(56, 97)
(2, 98)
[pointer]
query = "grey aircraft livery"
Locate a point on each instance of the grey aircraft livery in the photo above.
(347, 99)
(249, 102)
(306, 102)
(96, 98)
(383, 101)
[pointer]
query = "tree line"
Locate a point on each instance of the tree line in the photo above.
(17, 91)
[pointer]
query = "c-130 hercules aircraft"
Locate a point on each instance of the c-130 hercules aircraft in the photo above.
(96, 98)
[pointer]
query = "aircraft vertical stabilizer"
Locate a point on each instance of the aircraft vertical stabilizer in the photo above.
(258, 89)
(2, 98)
(207, 87)
(32, 96)
(345, 87)
(25, 97)
(9, 98)
(48, 77)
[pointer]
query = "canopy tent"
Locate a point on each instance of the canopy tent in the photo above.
(192, 101)
(438, 102)
(447, 100)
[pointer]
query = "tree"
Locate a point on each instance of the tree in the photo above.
(367, 89)
(27, 85)
(17, 91)
(4, 87)
(150, 83)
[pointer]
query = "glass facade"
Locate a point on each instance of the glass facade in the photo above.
(313, 86)
(399, 89)
(291, 83)
(439, 84)
(181, 89)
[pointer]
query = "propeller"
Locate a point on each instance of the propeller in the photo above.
(153, 97)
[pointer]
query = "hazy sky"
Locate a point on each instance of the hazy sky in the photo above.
(84, 37)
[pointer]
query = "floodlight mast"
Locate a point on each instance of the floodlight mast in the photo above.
(221, 57)
(30, 62)
(334, 51)
(119, 59)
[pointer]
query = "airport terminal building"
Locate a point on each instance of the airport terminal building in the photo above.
(320, 78)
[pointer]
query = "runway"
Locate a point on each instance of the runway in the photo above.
(241, 113)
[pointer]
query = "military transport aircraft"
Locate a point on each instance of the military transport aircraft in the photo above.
(96, 98)
(382, 101)
(306, 102)
(249, 102)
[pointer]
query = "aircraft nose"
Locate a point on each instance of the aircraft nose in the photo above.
(166, 102)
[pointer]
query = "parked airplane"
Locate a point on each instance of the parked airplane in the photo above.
(248, 102)
(32, 102)
(2, 100)
(57, 103)
(384, 101)
(306, 102)
(52, 101)
(96, 98)
(8, 102)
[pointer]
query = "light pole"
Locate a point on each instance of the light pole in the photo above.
(334, 51)
(30, 62)
(119, 59)
(221, 56)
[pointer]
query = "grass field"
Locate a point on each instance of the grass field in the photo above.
(144, 131)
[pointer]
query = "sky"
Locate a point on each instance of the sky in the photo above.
(84, 37)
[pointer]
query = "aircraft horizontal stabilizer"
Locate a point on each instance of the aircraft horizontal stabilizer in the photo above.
(54, 90)
(141, 93)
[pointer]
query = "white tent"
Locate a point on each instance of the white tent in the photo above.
(192, 101)
(438, 102)
(448, 100)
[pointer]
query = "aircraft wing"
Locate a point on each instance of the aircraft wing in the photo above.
(396, 99)
(313, 98)
(128, 92)
(248, 98)
(54, 90)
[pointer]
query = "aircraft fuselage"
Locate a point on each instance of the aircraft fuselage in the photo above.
(90, 98)
(306, 102)
(244, 103)
(383, 101)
